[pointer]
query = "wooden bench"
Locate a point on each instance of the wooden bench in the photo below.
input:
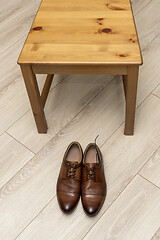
(81, 37)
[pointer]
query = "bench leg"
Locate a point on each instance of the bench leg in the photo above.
(130, 87)
(34, 97)
(46, 88)
(124, 84)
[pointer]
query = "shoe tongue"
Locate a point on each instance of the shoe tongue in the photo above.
(72, 162)
(90, 165)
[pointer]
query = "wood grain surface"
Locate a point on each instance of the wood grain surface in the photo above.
(83, 32)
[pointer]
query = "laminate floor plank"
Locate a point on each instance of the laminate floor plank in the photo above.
(151, 170)
(13, 156)
(16, 25)
(10, 71)
(15, 29)
(137, 5)
(134, 215)
(9, 9)
(148, 24)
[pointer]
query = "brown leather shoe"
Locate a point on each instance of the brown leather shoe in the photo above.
(93, 188)
(69, 180)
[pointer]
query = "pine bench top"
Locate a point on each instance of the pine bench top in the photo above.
(82, 32)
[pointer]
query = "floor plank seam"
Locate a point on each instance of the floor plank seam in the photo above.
(112, 134)
(156, 88)
(34, 217)
(150, 42)
(21, 167)
(58, 83)
(155, 233)
(155, 95)
(144, 100)
(16, 121)
(143, 7)
(20, 143)
(149, 181)
(148, 159)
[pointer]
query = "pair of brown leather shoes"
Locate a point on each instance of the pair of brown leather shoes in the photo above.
(81, 175)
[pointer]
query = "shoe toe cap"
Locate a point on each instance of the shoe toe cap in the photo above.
(92, 204)
(67, 201)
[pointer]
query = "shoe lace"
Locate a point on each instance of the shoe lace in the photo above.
(90, 172)
(91, 175)
(71, 170)
(97, 155)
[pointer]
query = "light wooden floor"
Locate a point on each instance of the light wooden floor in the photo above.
(79, 108)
